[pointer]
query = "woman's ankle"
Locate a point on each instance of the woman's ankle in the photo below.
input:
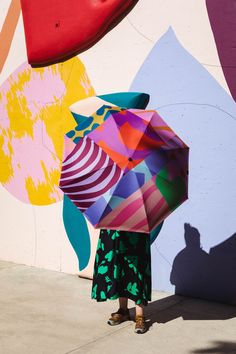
(123, 303)
(139, 311)
(123, 310)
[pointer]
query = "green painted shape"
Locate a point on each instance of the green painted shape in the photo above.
(132, 266)
(127, 99)
(173, 190)
(109, 255)
(102, 269)
(77, 231)
(108, 280)
(100, 244)
(132, 288)
(115, 271)
(115, 234)
(102, 295)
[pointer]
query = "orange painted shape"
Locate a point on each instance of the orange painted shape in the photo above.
(8, 30)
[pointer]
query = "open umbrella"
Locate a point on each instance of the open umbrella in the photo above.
(129, 173)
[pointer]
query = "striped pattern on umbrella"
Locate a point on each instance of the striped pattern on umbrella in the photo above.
(87, 173)
(142, 210)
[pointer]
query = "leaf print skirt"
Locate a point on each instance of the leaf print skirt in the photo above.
(122, 267)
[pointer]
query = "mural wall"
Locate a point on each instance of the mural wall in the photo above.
(179, 52)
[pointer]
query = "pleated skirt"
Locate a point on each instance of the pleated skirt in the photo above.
(122, 267)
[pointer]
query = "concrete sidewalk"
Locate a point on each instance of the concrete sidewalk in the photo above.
(47, 312)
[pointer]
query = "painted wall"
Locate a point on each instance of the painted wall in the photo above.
(173, 50)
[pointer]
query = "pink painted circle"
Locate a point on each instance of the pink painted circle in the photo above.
(34, 118)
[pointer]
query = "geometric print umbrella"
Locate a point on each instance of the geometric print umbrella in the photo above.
(127, 173)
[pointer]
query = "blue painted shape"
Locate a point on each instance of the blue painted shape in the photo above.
(76, 140)
(77, 231)
(203, 114)
(85, 124)
(70, 134)
(127, 99)
(95, 125)
(101, 110)
(79, 118)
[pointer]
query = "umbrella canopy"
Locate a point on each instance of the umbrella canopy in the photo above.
(129, 172)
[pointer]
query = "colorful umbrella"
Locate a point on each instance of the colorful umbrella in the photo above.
(129, 172)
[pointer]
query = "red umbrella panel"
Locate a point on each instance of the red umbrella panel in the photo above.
(129, 173)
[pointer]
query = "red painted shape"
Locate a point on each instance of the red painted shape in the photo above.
(56, 30)
(222, 16)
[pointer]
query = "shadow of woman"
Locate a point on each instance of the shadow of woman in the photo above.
(175, 306)
(208, 276)
(218, 347)
(204, 282)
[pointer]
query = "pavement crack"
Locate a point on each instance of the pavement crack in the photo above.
(98, 339)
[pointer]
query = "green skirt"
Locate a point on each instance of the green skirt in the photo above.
(122, 267)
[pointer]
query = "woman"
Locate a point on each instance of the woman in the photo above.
(122, 269)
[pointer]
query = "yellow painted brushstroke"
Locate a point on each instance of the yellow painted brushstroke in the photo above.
(6, 170)
(56, 117)
(10, 148)
(39, 192)
(19, 115)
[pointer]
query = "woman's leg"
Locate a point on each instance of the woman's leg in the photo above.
(123, 301)
(140, 326)
(139, 310)
(122, 314)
